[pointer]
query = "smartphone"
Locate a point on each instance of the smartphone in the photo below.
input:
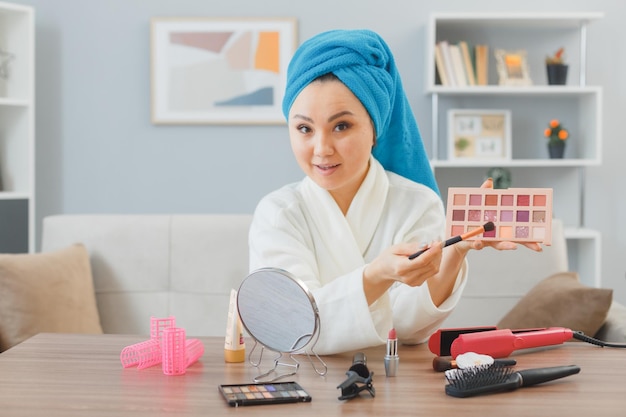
(264, 393)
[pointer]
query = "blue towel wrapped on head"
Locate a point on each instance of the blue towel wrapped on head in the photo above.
(364, 63)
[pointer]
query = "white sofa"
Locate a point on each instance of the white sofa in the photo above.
(158, 265)
(186, 265)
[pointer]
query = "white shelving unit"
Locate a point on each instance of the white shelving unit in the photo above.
(17, 106)
(577, 105)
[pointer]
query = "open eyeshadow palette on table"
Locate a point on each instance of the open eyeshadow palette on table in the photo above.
(519, 214)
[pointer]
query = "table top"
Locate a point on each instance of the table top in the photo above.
(81, 375)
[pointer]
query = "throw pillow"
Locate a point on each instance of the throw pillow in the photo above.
(46, 292)
(561, 300)
(614, 328)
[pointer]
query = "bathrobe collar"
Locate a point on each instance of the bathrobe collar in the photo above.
(350, 234)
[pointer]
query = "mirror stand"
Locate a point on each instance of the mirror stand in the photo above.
(294, 365)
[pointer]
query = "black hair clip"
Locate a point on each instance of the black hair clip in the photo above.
(357, 374)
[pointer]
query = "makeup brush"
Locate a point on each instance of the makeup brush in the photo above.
(443, 363)
(487, 227)
(496, 378)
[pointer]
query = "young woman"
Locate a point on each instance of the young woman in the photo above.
(368, 200)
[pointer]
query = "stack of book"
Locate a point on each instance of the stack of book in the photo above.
(459, 65)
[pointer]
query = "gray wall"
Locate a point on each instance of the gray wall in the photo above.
(98, 152)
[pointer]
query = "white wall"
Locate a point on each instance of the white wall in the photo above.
(98, 152)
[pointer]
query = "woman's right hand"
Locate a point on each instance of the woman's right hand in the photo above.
(394, 265)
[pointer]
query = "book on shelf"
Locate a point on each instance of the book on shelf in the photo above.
(440, 67)
(444, 47)
(458, 66)
(467, 63)
(461, 65)
(482, 64)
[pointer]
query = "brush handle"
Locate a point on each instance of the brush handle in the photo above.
(539, 375)
(452, 241)
(418, 253)
(448, 242)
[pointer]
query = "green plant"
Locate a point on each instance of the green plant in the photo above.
(556, 133)
(462, 144)
(558, 58)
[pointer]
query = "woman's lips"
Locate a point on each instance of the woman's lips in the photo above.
(326, 169)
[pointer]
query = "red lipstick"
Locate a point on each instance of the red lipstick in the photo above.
(391, 358)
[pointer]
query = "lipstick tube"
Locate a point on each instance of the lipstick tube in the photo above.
(391, 358)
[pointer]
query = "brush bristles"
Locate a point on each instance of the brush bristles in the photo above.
(478, 376)
(477, 380)
(489, 226)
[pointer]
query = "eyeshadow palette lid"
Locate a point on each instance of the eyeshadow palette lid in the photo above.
(520, 215)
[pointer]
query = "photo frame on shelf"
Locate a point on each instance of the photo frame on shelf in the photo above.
(479, 135)
(220, 70)
(512, 67)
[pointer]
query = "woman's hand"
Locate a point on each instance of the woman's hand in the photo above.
(394, 265)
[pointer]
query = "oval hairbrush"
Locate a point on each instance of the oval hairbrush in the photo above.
(496, 378)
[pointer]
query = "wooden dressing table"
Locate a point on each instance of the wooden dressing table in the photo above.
(81, 375)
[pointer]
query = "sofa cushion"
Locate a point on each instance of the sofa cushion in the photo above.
(46, 292)
(614, 327)
(560, 301)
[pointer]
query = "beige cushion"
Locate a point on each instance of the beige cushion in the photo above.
(614, 328)
(46, 292)
(560, 301)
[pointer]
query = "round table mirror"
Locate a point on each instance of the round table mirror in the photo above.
(277, 310)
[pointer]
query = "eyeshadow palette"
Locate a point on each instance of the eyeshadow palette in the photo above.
(264, 393)
(519, 214)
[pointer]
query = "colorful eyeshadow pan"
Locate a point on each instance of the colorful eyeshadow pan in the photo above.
(264, 393)
(519, 214)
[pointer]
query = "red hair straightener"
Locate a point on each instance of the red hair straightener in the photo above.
(500, 343)
(497, 343)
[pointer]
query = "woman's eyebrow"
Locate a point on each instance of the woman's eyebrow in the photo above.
(340, 114)
(303, 117)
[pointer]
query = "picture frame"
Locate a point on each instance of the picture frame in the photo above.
(512, 67)
(479, 135)
(220, 70)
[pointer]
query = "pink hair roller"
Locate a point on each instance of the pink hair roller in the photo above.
(195, 350)
(143, 354)
(157, 325)
(174, 348)
(167, 346)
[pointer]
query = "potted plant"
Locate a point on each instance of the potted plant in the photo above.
(557, 68)
(461, 145)
(557, 135)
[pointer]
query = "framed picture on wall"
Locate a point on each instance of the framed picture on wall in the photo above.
(220, 71)
(479, 135)
(512, 67)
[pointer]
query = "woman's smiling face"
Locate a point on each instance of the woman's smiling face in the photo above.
(332, 136)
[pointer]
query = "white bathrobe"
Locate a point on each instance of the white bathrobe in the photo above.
(300, 228)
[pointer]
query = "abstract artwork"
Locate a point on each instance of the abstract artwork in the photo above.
(220, 71)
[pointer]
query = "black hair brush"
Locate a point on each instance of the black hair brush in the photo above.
(496, 378)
